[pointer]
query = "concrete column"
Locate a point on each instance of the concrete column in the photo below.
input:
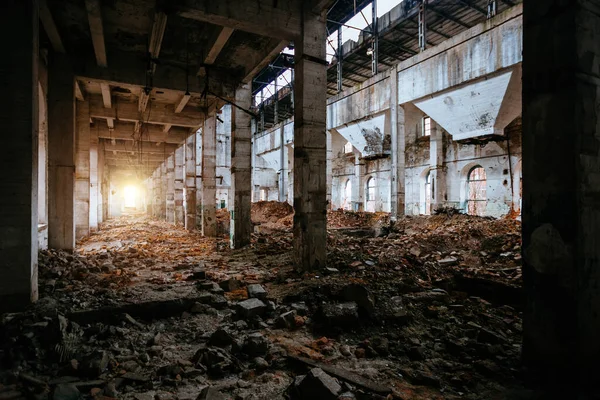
(156, 194)
(19, 162)
(561, 192)
(61, 154)
(358, 183)
(169, 180)
(310, 144)
(241, 170)
(82, 170)
(93, 214)
(100, 189)
(209, 176)
(199, 178)
(282, 166)
(178, 178)
(329, 170)
(438, 171)
(190, 183)
(398, 151)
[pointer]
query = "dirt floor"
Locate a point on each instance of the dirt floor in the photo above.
(426, 308)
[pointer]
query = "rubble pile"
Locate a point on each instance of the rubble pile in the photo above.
(426, 308)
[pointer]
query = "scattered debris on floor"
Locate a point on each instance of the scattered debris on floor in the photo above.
(425, 308)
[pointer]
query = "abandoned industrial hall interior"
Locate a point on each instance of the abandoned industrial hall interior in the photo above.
(300, 199)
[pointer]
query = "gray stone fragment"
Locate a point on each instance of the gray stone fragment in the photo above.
(318, 385)
(361, 296)
(256, 291)
(342, 314)
(66, 392)
(256, 345)
(286, 320)
(210, 393)
(251, 308)
(231, 284)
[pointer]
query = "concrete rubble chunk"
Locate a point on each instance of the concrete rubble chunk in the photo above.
(251, 308)
(256, 345)
(361, 296)
(286, 320)
(448, 261)
(220, 338)
(231, 284)
(198, 273)
(342, 314)
(257, 291)
(66, 392)
(210, 393)
(317, 385)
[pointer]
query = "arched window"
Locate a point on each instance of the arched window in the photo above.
(347, 201)
(371, 189)
(477, 199)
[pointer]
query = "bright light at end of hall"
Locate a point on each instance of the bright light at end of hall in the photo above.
(130, 196)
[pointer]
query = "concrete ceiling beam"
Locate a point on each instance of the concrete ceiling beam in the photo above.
(50, 27)
(161, 114)
(78, 92)
(128, 68)
(281, 19)
(145, 147)
(150, 133)
(106, 99)
(94, 10)
(218, 46)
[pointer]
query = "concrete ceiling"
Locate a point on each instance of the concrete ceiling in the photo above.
(151, 69)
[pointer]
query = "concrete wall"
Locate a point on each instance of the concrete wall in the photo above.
(468, 59)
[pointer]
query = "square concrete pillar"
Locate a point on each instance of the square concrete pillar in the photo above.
(163, 190)
(438, 170)
(241, 170)
(358, 184)
(398, 151)
(94, 180)
(170, 189)
(189, 195)
(310, 144)
(329, 170)
(209, 176)
(100, 189)
(561, 195)
(82, 170)
(61, 153)
(178, 179)
(199, 178)
(19, 141)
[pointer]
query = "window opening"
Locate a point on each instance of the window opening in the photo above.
(477, 200)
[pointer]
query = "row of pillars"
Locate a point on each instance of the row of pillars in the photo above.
(76, 196)
(172, 187)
